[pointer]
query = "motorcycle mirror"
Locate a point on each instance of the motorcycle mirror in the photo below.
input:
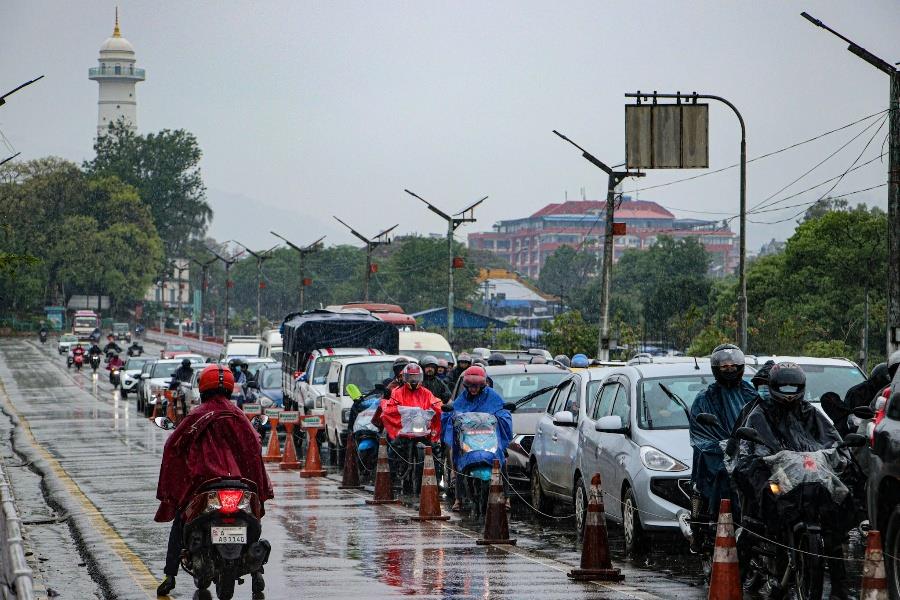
(751, 435)
(864, 412)
(709, 420)
(260, 420)
(853, 440)
(510, 406)
(164, 423)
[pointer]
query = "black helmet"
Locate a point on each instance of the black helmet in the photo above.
(880, 376)
(399, 364)
(787, 383)
(428, 361)
(893, 362)
(185, 362)
(761, 377)
(479, 361)
(726, 355)
(563, 360)
(496, 359)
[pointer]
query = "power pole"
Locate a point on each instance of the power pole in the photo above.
(466, 215)
(614, 178)
(303, 251)
(377, 240)
(893, 308)
(204, 268)
(228, 262)
(261, 257)
(176, 268)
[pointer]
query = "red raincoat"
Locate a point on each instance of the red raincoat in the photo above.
(404, 396)
(215, 440)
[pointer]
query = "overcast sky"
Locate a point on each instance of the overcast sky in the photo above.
(308, 109)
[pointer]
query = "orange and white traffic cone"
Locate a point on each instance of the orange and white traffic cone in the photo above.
(273, 452)
(874, 582)
(350, 477)
(384, 493)
(170, 407)
(157, 410)
(725, 579)
(496, 522)
(289, 459)
(595, 562)
(313, 466)
(429, 497)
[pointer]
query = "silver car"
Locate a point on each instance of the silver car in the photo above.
(636, 437)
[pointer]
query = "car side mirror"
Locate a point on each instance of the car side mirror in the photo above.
(164, 423)
(333, 388)
(854, 440)
(309, 405)
(610, 424)
(564, 418)
(145, 375)
(259, 420)
(253, 385)
(864, 412)
(303, 378)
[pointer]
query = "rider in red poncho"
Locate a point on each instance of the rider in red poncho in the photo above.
(214, 441)
(412, 393)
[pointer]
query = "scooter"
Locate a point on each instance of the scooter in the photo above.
(408, 448)
(365, 436)
(222, 531)
(78, 361)
(475, 434)
(95, 362)
(43, 336)
(115, 377)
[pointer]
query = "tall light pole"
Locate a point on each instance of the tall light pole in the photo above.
(260, 257)
(303, 251)
(614, 178)
(377, 240)
(204, 268)
(893, 308)
(466, 215)
(179, 269)
(228, 262)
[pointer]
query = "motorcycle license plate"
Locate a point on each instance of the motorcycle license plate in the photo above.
(229, 535)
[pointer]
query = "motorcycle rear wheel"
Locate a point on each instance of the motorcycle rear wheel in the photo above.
(225, 587)
(809, 573)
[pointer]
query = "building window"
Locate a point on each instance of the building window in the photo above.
(118, 69)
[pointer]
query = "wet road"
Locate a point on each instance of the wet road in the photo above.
(102, 462)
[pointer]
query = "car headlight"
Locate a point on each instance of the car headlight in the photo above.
(345, 415)
(655, 460)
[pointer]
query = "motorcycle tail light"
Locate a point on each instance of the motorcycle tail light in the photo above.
(232, 501)
(774, 488)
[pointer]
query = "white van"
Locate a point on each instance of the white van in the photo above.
(240, 346)
(417, 344)
(363, 371)
(271, 346)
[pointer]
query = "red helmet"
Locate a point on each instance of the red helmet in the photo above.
(474, 375)
(216, 378)
(412, 375)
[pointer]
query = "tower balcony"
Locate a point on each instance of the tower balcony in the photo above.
(114, 72)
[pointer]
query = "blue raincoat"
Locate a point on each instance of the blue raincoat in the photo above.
(488, 401)
(709, 475)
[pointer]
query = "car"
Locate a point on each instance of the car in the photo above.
(309, 387)
(513, 383)
(254, 364)
(66, 342)
(883, 487)
(171, 350)
(156, 380)
(519, 357)
(418, 344)
(363, 371)
(131, 374)
(267, 388)
(636, 437)
(822, 374)
(122, 331)
(240, 346)
(141, 388)
(272, 345)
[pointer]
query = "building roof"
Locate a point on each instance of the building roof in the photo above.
(117, 43)
(631, 209)
(462, 318)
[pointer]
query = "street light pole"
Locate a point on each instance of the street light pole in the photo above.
(228, 262)
(204, 266)
(893, 308)
(742, 260)
(179, 269)
(261, 257)
(302, 251)
(614, 178)
(371, 244)
(466, 215)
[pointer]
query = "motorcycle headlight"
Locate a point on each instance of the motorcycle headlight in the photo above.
(656, 460)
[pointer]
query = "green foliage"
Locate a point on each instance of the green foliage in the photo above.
(568, 333)
(164, 168)
(704, 343)
(567, 271)
(828, 349)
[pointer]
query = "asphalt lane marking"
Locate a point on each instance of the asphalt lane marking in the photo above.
(138, 571)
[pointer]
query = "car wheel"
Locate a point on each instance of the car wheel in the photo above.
(539, 499)
(892, 553)
(635, 537)
(581, 502)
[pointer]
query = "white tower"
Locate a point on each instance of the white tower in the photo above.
(117, 77)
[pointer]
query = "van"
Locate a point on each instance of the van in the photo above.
(423, 343)
(271, 346)
(240, 346)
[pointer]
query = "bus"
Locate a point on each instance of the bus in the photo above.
(84, 323)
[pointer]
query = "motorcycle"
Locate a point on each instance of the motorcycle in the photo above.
(43, 336)
(222, 531)
(95, 362)
(115, 377)
(365, 436)
(78, 361)
(409, 448)
(475, 434)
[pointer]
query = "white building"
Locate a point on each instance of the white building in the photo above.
(118, 78)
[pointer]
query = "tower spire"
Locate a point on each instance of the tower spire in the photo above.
(116, 32)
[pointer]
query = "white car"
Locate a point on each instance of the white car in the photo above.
(822, 374)
(309, 389)
(66, 342)
(364, 371)
(155, 381)
(131, 373)
(241, 346)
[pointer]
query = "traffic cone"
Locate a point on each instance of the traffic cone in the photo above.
(874, 582)
(496, 523)
(595, 562)
(170, 408)
(157, 410)
(289, 458)
(429, 497)
(313, 466)
(350, 479)
(725, 580)
(273, 452)
(384, 493)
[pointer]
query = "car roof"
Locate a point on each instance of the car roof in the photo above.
(521, 368)
(662, 370)
(808, 360)
(352, 360)
(176, 361)
(260, 359)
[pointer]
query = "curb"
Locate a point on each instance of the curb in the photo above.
(16, 571)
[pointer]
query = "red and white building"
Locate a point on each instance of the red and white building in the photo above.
(527, 242)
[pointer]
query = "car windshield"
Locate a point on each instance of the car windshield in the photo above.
(135, 364)
(69, 338)
(514, 386)
(254, 367)
(85, 322)
(120, 327)
(657, 411)
(177, 348)
(418, 354)
(836, 378)
(320, 369)
(366, 375)
(164, 369)
(270, 378)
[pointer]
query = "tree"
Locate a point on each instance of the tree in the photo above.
(568, 270)
(164, 168)
(569, 334)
